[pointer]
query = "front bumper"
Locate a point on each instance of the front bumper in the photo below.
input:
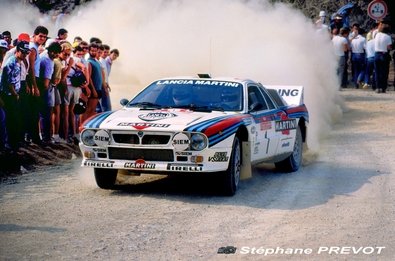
(155, 160)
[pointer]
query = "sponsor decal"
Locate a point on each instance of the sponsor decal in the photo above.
(285, 144)
(143, 125)
(193, 168)
(219, 157)
(265, 123)
(139, 164)
(288, 92)
(285, 125)
(101, 138)
(154, 116)
(256, 148)
(180, 141)
(199, 82)
(99, 164)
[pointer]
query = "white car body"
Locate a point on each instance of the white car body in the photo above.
(155, 136)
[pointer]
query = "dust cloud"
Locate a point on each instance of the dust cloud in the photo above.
(272, 44)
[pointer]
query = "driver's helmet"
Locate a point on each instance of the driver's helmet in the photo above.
(181, 95)
(230, 97)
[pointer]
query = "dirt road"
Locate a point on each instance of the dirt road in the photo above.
(339, 206)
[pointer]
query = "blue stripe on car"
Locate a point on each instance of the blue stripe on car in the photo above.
(95, 122)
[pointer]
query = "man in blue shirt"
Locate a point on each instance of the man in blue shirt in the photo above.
(47, 101)
(10, 86)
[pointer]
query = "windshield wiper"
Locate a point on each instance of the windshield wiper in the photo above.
(217, 108)
(145, 105)
(203, 108)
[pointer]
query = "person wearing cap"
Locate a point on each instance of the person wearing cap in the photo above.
(22, 37)
(7, 37)
(24, 93)
(320, 23)
(10, 86)
(337, 22)
(3, 50)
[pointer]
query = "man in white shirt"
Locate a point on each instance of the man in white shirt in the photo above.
(358, 46)
(382, 46)
(369, 69)
(341, 46)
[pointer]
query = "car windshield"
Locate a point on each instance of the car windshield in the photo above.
(196, 94)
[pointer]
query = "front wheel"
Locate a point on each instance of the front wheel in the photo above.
(294, 161)
(105, 178)
(231, 177)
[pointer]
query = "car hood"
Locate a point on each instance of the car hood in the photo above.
(138, 119)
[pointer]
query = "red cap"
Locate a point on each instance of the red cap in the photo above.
(24, 37)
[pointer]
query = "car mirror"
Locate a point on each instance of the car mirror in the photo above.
(123, 102)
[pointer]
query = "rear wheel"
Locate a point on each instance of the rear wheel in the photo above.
(231, 177)
(294, 161)
(105, 178)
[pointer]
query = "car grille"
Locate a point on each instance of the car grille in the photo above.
(146, 154)
(147, 139)
(126, 138)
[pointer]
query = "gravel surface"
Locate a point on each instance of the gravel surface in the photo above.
(339, 206)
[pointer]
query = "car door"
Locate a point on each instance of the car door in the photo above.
(263, 112)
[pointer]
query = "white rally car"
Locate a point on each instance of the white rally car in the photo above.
(198, 124)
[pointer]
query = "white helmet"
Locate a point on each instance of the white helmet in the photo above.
(322, 14)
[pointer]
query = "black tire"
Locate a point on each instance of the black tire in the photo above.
(294, 161)
(105, 178)
(231, 177)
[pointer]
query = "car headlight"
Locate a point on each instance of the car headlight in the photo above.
(198, 141)
(87, 137)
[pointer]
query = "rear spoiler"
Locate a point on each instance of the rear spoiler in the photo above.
(292, 94)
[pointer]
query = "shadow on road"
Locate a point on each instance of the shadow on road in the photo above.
(313, 185)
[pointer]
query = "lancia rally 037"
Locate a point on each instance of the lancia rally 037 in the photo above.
(219, 126)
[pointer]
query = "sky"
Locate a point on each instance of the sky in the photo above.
(271, 44)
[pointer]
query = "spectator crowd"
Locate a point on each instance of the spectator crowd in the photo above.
(49, 86)
(366, 51)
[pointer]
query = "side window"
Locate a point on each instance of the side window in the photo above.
(276, 97)
(256, 101)
(268, 100)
